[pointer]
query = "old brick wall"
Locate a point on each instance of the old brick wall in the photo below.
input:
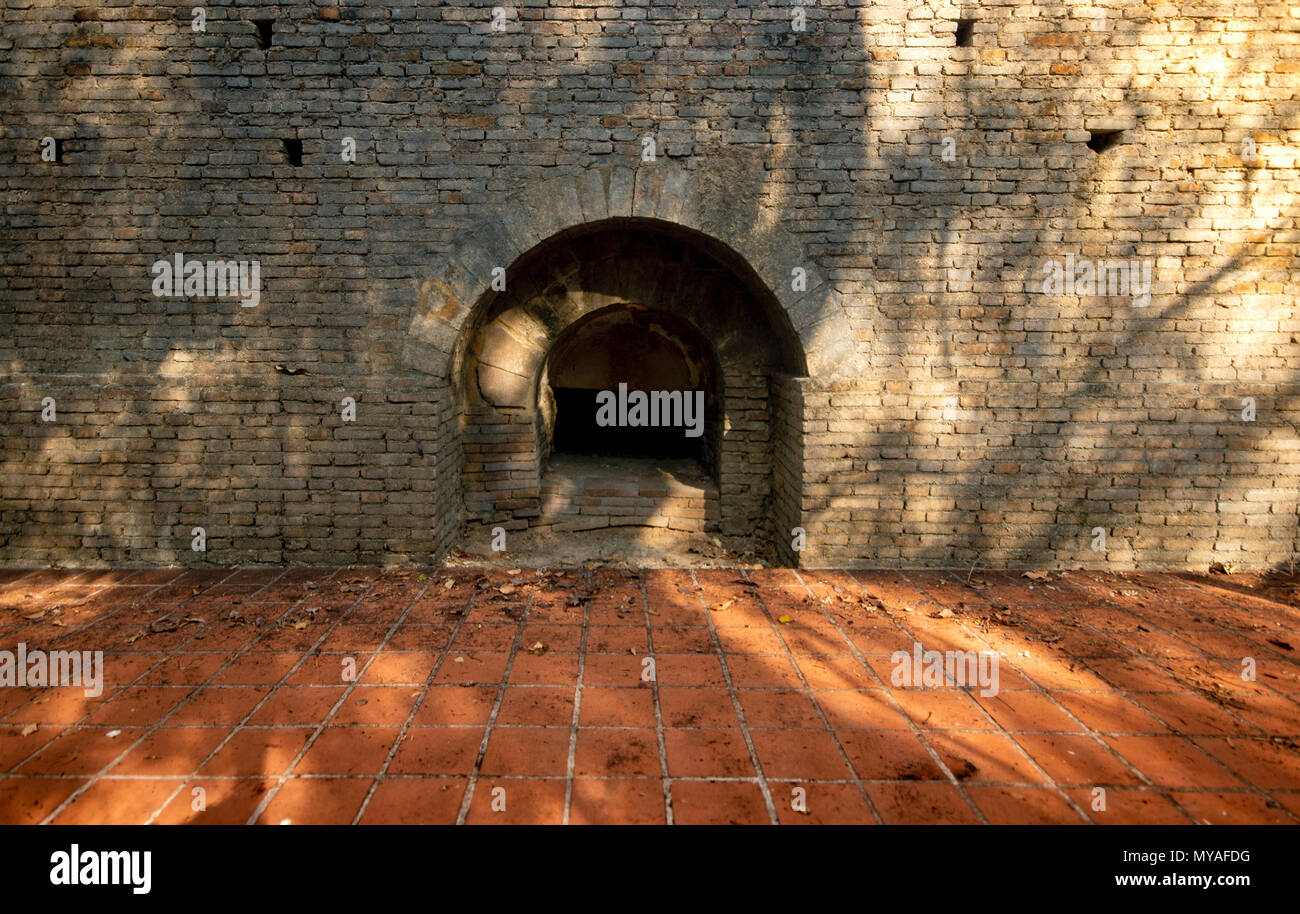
(977, 420)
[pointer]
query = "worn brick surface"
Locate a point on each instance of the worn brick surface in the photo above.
(952, 414)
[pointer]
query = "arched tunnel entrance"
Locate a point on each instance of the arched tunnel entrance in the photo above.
(623, 379)
(629, 348)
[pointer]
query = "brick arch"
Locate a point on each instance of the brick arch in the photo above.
(660, 192)
(637, 262)
(665, 274)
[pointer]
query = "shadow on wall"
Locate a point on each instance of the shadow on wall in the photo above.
(176, 413)
(1028, 421)
(994, 425)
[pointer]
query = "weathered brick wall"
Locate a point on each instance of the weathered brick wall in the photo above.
(744, 453)
(502, 473)
(982, 420)
(128, 470)
(787, 472)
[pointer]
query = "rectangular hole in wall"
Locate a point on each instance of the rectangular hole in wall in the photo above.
(263, 32)
(293, 152)
(965, 28)
(1101, 140)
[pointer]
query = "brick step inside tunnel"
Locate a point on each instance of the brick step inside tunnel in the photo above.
(587, 492)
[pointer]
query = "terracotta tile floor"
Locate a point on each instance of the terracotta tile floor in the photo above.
(662, 696)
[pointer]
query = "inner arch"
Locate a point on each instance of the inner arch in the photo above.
(630, 348)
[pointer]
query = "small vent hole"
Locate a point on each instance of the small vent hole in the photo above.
(1101, 140)
(965, 28)
(263, 32)
(293, 152)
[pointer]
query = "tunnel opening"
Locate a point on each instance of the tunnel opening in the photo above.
(621, 381)
(629, 381)
(628, 408)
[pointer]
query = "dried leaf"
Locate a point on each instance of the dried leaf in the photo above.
(784, 620)
(29, 729)
(1037, 575)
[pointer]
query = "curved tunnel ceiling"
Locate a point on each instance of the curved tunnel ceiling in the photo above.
(618, 262)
